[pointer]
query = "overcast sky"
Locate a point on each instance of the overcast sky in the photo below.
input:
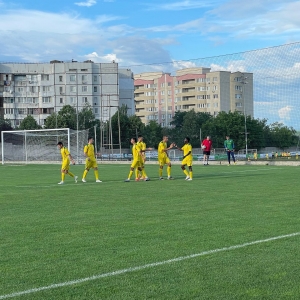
(141, 34)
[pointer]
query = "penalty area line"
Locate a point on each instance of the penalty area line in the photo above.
(151, 265)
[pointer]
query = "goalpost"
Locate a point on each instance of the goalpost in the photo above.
(40, 146)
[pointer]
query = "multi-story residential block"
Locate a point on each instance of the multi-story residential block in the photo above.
(41, 89)
(158, 95)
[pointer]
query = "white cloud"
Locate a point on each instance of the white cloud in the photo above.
(108, 58)
(87, 3)
(284, 112)
(233, 66)
(255, 18)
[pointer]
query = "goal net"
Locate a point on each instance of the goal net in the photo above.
(40, 146)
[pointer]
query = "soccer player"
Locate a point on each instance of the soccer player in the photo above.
(65, 167)
(206, 146)
(143, 149)
(163, 158)
(229, 148)
(90, 161)
(187, 159)
(136, 163)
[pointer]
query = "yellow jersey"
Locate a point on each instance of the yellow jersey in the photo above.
(161, 147)
(89, 150)
(186, 149)
(143, 147)
(64, 153)
(136, 151)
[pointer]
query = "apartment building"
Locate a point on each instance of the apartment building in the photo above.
(159, 95)
(43, 88)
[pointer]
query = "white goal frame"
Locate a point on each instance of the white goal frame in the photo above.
(25, 133)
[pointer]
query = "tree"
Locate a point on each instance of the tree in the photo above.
(5, 125)
(188, 124)
(283, 136)
(29, 123)
(136, 126)
(65, 118)
(153, 134)
(233, 124)
(121, 114)
(86, 118)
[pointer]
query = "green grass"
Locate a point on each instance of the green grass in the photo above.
(54, 234)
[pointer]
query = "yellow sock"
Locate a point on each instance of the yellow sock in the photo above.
(186, 172)
(160, 172)
(63, 176)
(191, 174)
(136, 173)
(169, 171)
(96, 174)
(130, 174)
(71, 174)
(84, 173)
(144, 173)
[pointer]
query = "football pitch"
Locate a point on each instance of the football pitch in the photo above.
(231, 233)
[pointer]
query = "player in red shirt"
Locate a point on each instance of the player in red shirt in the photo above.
(206, 146)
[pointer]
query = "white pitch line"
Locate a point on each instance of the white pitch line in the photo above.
(133, 269)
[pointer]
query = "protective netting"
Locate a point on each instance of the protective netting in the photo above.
(276, 78)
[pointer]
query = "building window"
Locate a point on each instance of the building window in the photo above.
(46, 88)
(95, 89)
(201, 88)
(95, 110)
(207, 96)
(73, 89)
(95, 78)
(84, 88)
(33, 89)
(95, 100)
(215, 88)
(238, 104)
(73, 78)
(46, 99)
(185, 106)
(73, 100)
(169, 107)
(61, 100)
(238, 88)
(84, 99)
(84, 78)
(60, 78)
(45, 77)
(215, 78)
(61, 90)
(216, 96)
(238, 96)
